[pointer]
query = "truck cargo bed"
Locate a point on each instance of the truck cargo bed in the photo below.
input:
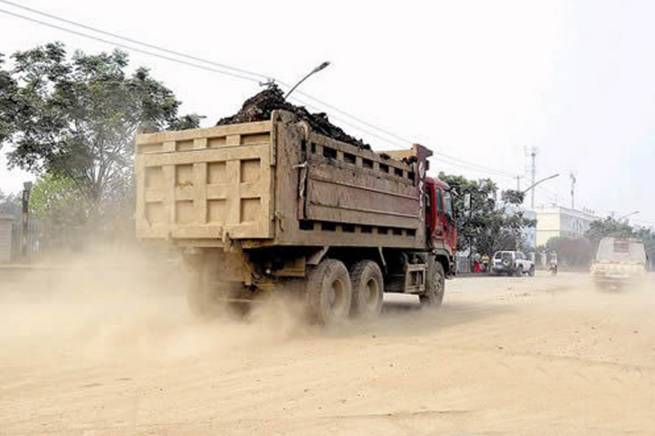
(275, 183)
(206, 183)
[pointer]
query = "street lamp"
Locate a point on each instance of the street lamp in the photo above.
(312, 72)
(534, 185)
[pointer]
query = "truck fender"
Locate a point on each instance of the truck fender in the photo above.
(316, 258)
(446, 259)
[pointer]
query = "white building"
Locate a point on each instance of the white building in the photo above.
(558, 221)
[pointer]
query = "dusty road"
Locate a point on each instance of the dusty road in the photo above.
(503, 355)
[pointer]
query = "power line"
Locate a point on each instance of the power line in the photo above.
(475, 165)
(127, 47)
(181, 54)
(134, 41)
(336, 109)
(385, 140)
(445, 161)
(438, 156)
(218, 64)
(235, 72)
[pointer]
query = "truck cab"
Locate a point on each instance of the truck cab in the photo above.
(440, 217)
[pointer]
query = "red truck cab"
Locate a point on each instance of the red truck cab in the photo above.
(440, 216)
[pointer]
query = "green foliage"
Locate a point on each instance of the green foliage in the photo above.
(76, 118)
(622, 229)
(489, 225)
(10, 205)
(8, 105)
(513, 196)
(57, 201)
(190, 121)
(608, 227)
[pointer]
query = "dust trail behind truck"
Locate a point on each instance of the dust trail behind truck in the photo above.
(272, 206)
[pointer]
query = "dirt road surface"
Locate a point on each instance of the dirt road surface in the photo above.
(537, 355)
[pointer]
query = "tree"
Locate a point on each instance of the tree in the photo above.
(56, 201)
(8, 105)
(10, 205)
(489, 225)
(75, 119)
(600, 229)
(513, 196)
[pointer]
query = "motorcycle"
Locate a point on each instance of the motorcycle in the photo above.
(553, 269)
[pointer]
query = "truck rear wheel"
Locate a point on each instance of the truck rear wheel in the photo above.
(329, 292)
(368, 289)
(435, 284)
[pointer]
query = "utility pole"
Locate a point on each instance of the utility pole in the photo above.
(518, 182)
(533, 172)
(24, 250)
(573, 181)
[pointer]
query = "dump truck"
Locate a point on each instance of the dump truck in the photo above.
(272, 206)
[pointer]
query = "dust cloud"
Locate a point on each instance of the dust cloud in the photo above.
(106, 345)
(122, 305)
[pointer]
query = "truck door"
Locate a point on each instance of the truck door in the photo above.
(433, 208)
(450, 230)
(439, 225)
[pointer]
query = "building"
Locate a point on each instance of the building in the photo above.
(558, 221)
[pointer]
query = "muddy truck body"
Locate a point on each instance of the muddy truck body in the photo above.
(272, 206)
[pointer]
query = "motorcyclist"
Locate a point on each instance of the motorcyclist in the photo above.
(553, 265)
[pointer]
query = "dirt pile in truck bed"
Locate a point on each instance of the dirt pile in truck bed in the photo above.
(260, 106)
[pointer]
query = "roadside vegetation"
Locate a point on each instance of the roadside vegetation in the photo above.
(70, 119)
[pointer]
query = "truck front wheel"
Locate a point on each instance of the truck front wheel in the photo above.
(435, 284)
(329, 292)
(368, 289)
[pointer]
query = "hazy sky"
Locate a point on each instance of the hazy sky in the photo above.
(478, 80)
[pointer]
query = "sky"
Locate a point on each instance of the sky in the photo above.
(476, 80)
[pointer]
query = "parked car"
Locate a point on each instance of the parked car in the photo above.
(512, 263)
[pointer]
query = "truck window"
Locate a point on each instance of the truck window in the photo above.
(439, 200)
(449, 204)
(621, 246)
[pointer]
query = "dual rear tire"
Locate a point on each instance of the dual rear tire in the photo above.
(334, 293)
